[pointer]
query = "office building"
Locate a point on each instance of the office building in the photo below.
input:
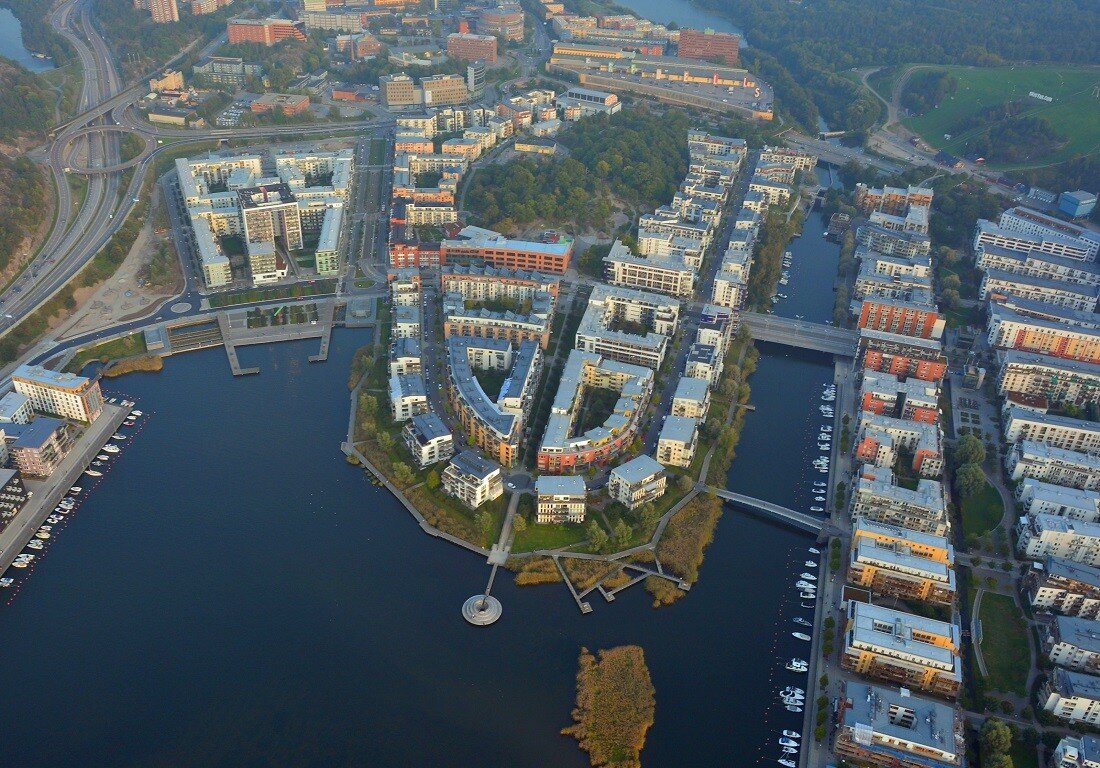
(504, 21)
(889, 728)
(472, 47)
(58, 393)
(677, 441)
(582, 102)
(286, 104)
(473, 479)
(708, 45)
(638, 481)
(266, 32)
(428, 439)
(902, 648)
(1078, 204)
(560, 499)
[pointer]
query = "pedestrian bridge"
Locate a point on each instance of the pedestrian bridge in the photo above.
(802, 334)
(800, 519)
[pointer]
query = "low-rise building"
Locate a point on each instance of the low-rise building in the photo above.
(692, 398)
(560, 499)
(1072, 642)
(677, 441)
(428, 439)
(1058, 585)
(637, 482)
(902, 648)
(1072, 696)
(889, 728)
(473, 479)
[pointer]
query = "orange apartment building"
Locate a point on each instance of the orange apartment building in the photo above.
(899, 317)
(266, 32)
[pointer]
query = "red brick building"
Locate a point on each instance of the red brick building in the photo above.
(404, 254)
(504, 20)
(287, 103)
(513, 254)
(472, 47)
(266, 32)
(710, 45)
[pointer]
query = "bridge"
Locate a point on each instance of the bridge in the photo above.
(803, 334)
(72, 166)
(800, 519)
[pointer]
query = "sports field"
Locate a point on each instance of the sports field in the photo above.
(1074, 110)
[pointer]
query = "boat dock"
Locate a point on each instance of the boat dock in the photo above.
(48, 492)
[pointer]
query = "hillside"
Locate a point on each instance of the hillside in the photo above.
(26, 107)
(22, 204)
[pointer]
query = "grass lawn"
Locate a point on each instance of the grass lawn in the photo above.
(316, 288)
(548, 537)
(962, 317)
(377, 152)
(1074, 112)
(134, 344)
(983, 512)
(1004, 644)
(1023, 752)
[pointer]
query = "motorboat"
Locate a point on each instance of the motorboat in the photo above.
(35, 543)
(823, 446)
(796, 663)
(817, 509)
(93, 473)
(803, 584)
(823, 470)
(20, 564)
(824, 437)
(27, 556)
(783, 761)
(42, 535)
(808, 596)
(793, 689)
(790, 751)
(819, 498)
(814, 551)
(792, 734)
(103, 457)
(136, 414)
(129, 423)
(801, 636)
(75, 490)
(802, 621)
(53, 519)
(111, 448)
(792, 708)
(810, 564)
(46, 528)
(117, 436)
(7, 581)
(785, 742)
(827, 427)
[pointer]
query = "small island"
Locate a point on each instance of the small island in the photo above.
(615, 706)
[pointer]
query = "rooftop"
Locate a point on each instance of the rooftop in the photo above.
(45, 377)
(560, 485)
(638, 469)
(897, 717)
(1080, 633)
(690, 388)
(679, 428)
(475, 465)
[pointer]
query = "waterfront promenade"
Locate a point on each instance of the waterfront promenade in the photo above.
(51, 490)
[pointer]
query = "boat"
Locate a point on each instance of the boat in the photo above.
(7, 581)
(103, 457)
(93, 473)
(802, 621)
(796, 663)
(75, 490)
(793, 689)
(117, 436)
(810, 564)
(803, 584)
(129, 423)
(19, 564)
(42, 535)
(819, 498)
(823, 446)
(793, 708)
(792, 734)
(801, 636)
(111, 448)
(814, 551)
(785, 762)
(35, 543)
(828, 427)
(808, 596)
(785, 742)
(817, 509)
(790, 751)
(136, 414)
(808, 576)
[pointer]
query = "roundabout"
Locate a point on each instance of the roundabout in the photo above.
(70, 141)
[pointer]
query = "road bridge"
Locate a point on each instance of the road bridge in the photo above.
(802, 334)
(800, 519)
(102, 170)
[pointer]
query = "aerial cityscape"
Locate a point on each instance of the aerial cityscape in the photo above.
(610, 383)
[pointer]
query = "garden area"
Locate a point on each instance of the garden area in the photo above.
(1004, 644)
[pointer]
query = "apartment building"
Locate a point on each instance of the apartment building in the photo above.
(491, 427)
(716, 151)
(408, 396)
(37, 448)
(879, 500)
(565, 449)
(1072, 642)
(802, 161)
(560, 499)
(1056, 431)
(490, 247)
(907, 318)
(1038, 264)
(1056, 379)
(671, 275)
(406, 322)
(913, 399)
(888, 277)
(628, 325)
(889, 728)
(692, 398)
(897, 570)
(1072, 696)
(1035, 497)
(709, 45)
(637, 482)
(16, 407)
(892, 200)
(1031, 222)
(62, 394)
(892, 241)
(507, 325)
(472, 479)
(704, 362)
(1077, 753)
(502, 21)
(997, 284)
(885, 536)
(677, 441)
(989, 234)
(902, 648)
(405, 357)
(1041, 536)
(922, 440)
(1058, 585)
(1058, 333)
(774, 192)
(1055, 465)
(428, 439)
(903, 356)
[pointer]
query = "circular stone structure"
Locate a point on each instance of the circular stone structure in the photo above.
(482, 610)
(180, 306)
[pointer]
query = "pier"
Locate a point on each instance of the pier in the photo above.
(802, 334)
(51, 490)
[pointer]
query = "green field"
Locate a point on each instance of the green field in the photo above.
(982, 512)
(1075, 111)
(1004, 644)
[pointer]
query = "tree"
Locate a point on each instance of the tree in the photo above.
(969, 480)
(951, 298)
(385, 441)
(368, 405)
(519, 523)
(647, 515)
(969, 450)
(597, 536)
(685, 483)
(484, 522)
(432, 480)
(403, 474)
(996, 738)
(998, 761)
(623, 532)
(951, 282)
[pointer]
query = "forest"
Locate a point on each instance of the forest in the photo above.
(26, 106)
(140, 45)
(926, 89)
(815, 42)
(22, 203)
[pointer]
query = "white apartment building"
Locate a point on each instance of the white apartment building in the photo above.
(670, 275)
(802, 161)
(1041, 536)
(881, 501)
(1073, 643)
(987, 233)
(1056, 431)
(473, 479)
(58, 393)
(1036, 497)
(677, 441)
(1031, 222)
(692, 398)
(1038, 264)
(1057, 585)
(611, 308)
(637, 482)
(408, 397)
(998, 284)
(560, 499)
(1072, 696)
(1057, 379)
(428, 439)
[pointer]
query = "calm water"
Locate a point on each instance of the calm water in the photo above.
(11, 43)
(813, 271)
(233, 593)
(683, 12)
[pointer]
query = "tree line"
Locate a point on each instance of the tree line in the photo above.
(26, 107)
